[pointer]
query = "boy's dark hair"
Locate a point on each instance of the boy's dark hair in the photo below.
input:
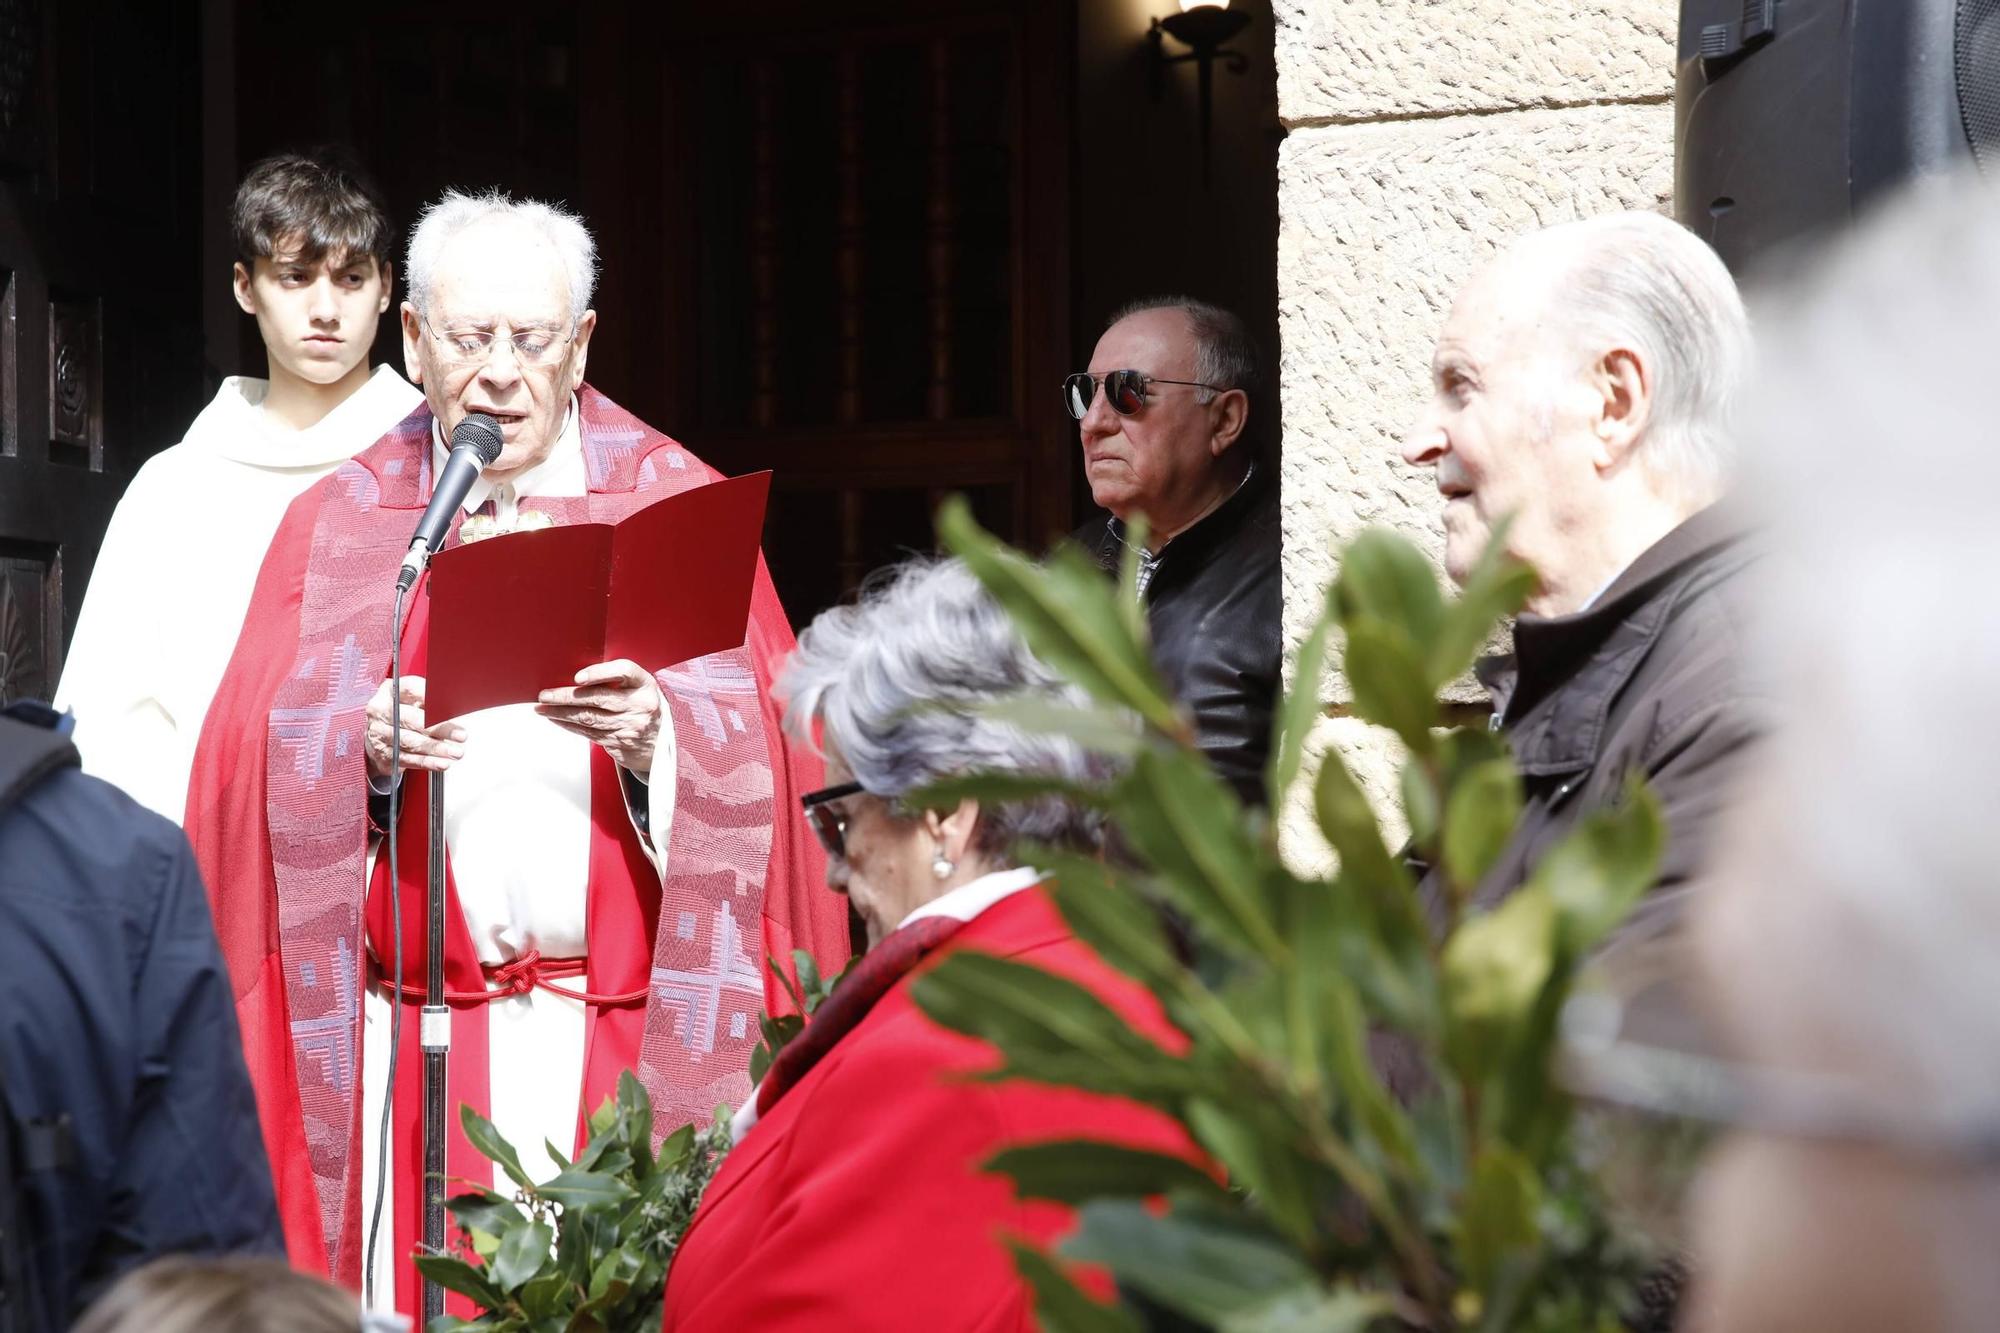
(317, 199)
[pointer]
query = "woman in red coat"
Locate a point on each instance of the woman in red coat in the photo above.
(854, 1197)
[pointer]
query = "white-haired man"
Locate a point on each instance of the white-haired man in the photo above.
(626, 832)
(1582, 383)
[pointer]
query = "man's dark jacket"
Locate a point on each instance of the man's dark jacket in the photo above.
(1647, 680)
(1213, 607)
(116, 1017)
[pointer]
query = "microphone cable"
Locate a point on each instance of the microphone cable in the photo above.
(396, 934)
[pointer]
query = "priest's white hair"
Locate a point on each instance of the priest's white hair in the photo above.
(456, 210)
(898, 681)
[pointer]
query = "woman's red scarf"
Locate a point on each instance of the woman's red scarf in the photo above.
(277, 814)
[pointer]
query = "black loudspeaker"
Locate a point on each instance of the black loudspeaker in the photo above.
(1791, 114)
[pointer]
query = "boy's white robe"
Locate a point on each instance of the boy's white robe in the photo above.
(167, 597)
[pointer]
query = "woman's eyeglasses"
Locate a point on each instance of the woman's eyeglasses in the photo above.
(1125, 390)
(829, 822)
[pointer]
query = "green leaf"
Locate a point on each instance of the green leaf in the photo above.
(1495, 591)
(1494, 966)
(676, 1148)
(485, 1211)
(479, 1132)
(1186, 1263)
(1421, 810)
(1389, 684)
(1104, 730)
(542, 1297)
(1060, 1305)
(1075, 1171)
(454, 1274)
(1186, 822)
(1497, 1217)
(1110, 916)
(786, 983)
(1360, 1086)
(586, 1189)
(1598, 873)
(522, 1254)
(636, 1109)
(1068, 614)
(603, 1117)
(1049, 1028)
(1348, 821)
(555, 1154)
(1344, 1311)
(812, 988)
(1001, 789)
(612, 1278)
(1259, 1160)
(1294, 717)
(1384, 578)
(1484, 807)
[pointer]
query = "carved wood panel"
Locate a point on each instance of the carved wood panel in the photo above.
(76, 383)
(30, 622)
(99, 363)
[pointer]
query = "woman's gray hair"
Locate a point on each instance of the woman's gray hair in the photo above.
(456, 211)
(1643, 281)
(898, 680)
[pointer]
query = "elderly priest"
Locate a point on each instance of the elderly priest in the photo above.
(616, 875)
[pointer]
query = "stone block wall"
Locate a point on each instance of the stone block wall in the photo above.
(1421, 136)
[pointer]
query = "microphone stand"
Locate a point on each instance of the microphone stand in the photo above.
(435, 1039)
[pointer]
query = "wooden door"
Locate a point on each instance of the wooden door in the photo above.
(100, 354)
(862, 258)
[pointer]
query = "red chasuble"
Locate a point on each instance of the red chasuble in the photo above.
(277, 812)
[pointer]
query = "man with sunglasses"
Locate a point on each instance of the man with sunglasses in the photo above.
(616, 876)
(1164, 413)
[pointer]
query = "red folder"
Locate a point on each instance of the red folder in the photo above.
(512, 616)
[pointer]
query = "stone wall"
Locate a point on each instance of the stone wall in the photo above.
(1422, 134)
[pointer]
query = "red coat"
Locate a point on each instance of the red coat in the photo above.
(857, 1202)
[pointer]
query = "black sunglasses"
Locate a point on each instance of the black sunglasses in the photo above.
(828, 824)
(1125, 390)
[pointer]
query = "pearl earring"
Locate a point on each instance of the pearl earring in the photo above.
(941, 866)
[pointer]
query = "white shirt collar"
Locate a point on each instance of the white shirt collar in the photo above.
(561, 473)
(969, 900)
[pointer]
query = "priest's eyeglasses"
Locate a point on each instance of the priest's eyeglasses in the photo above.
(475, 346)
(829, 822)
(1125, 390)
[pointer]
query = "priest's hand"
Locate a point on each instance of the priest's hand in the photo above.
(436, 748)
(615, 704)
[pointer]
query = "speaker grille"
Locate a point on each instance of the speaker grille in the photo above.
(1977, 39)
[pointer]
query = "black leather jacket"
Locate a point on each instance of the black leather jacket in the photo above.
(1213, 606)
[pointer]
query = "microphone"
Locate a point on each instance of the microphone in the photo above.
(474, 446)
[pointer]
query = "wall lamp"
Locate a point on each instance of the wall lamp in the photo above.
(1202, 26)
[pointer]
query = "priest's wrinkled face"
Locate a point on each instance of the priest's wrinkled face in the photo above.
(498, 337)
